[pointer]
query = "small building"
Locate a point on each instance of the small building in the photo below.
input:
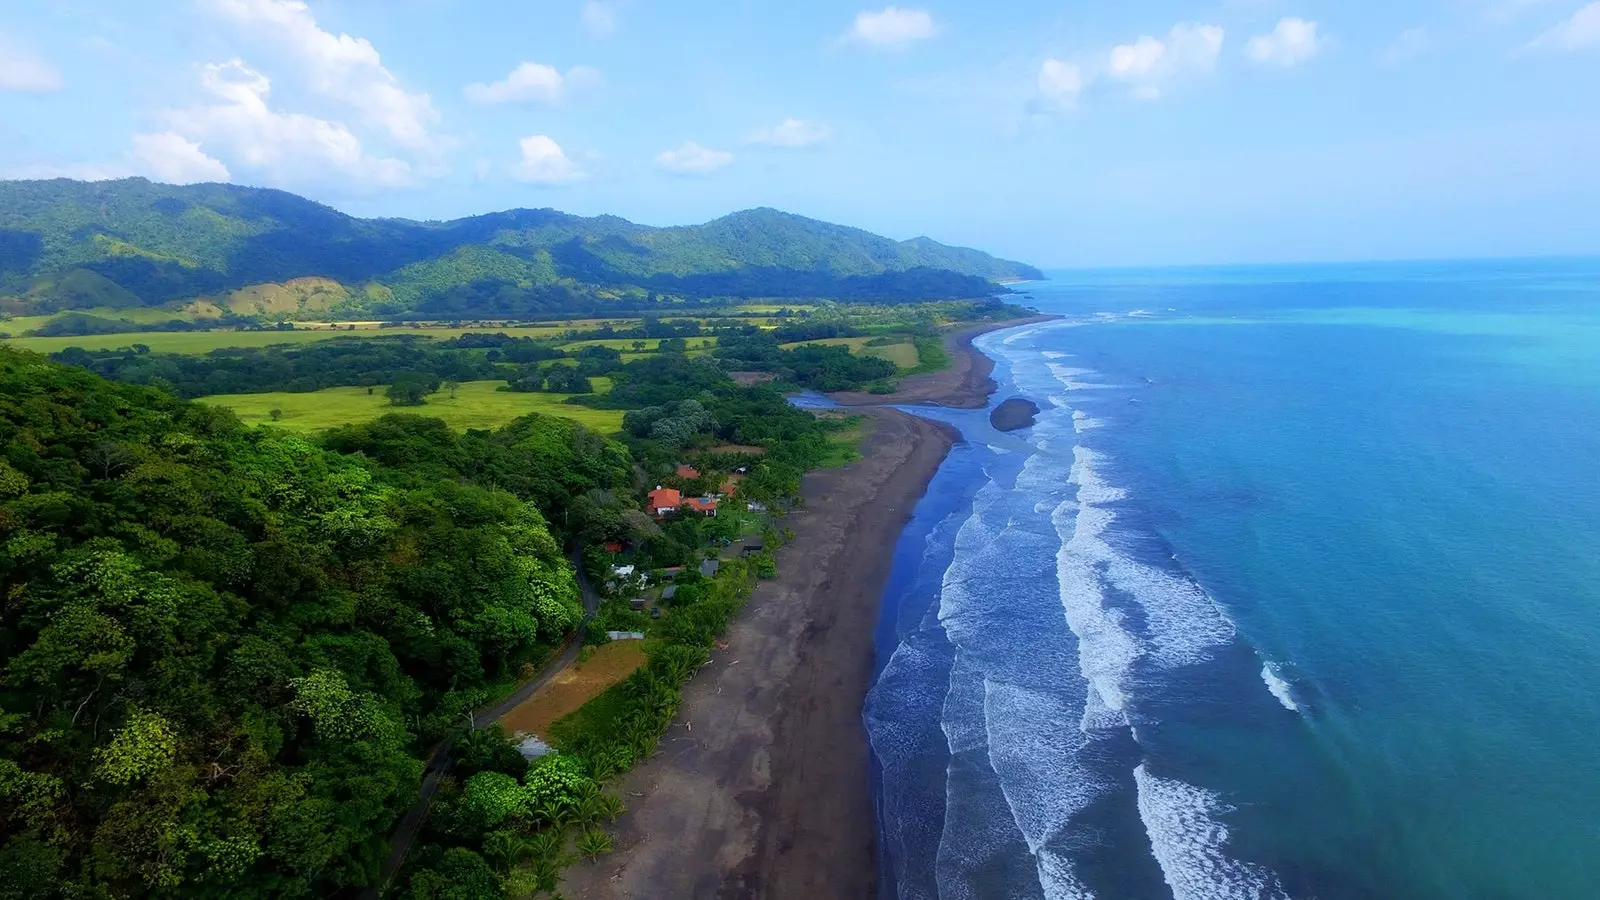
(688, 473)
(730, 484)
(709, 568)
(672, 572)
(752, 547)
(663, 501)
(638, 604)
(753, 506)
(669, 592)
(623, 571)
(705, 506)
(613, 546)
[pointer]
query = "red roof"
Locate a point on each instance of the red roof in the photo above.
(730, 485)
(701, 504)
(665, 498)
(613, 546)
(689, 472)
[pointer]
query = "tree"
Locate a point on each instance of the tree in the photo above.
(275, 414)
(594, 842)
(452, 387)
(411, 389)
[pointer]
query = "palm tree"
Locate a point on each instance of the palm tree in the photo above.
(594, 842)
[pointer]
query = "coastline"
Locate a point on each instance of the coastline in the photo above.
(964, 385)
(761, 786)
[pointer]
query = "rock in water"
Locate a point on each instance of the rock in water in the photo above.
(1014, 414)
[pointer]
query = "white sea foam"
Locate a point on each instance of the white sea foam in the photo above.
(1055, 354)
(1082, 421)
(1071, 378)
(1036, 755)
(1189, 842)
(1279, 687)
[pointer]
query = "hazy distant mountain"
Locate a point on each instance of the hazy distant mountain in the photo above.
(209, 248)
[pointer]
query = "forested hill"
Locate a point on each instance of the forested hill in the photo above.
(217, 248)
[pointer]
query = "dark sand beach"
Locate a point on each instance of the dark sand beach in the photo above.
(761, 788)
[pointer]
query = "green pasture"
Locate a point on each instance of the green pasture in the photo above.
(903, 355)
(198, 342)
(477, 404)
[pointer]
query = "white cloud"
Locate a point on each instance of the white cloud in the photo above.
(174, 159)
(1293, 42)
(544, 162)
(25, 72)
(1060, 83)
(1150, 65)
(892, 26)
(1581, 32)
(600, 17)
(693, 159)
(1411, 43)
(341, 67)
(532, 81)
(792, 133)
(165, 157)
(286, 149)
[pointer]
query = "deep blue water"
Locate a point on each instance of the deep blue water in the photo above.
(1293, 591)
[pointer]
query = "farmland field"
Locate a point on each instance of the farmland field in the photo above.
(477, 404)
(626, 344)
(903, 355)
(197, 342)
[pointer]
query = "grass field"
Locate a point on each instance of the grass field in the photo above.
(477, 404)
(626, 344)
(197, 342)
(570, 690)
(903, 355)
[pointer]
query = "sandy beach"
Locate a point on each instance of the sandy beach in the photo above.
(965, 384)
(761, 788)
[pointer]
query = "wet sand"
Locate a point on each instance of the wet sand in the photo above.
(761, 788)
(964, 385)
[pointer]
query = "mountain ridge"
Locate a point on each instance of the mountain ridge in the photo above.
(74, 245)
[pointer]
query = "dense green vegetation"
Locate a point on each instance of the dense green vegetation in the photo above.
(227, 648)
(73, 245)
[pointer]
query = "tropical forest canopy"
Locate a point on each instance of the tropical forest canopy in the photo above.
(220, 250)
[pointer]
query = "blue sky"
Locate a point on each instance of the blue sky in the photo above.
(1063, 133)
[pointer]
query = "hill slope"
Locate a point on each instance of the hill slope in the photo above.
(77, 245)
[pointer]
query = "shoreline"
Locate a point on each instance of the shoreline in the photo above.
(762, 787)
(964, 385)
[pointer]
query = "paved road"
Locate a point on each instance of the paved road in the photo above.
(439, 762)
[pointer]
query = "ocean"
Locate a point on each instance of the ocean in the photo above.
(1293, 590)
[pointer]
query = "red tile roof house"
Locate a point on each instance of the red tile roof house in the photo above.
(688, 473)
(705, 506)
(663, 502)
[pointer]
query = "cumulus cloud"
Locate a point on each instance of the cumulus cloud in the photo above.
(693, 159)
(544, 162)
(25, 72)
(892, 26)
(600, 17)
(1293, 42)
(1149, 65)
(287, 149)
(532, 81)
(343, 68)
(1581, 32)
(165, 157)
(1060, 83)
(792, 133)
(174, 159)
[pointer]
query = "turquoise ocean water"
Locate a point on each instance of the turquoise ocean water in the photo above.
(1293, 591)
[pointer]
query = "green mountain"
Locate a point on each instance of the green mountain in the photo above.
(215, 249)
